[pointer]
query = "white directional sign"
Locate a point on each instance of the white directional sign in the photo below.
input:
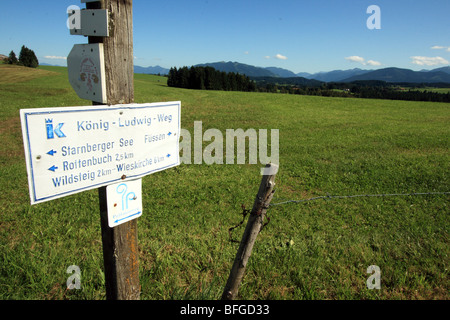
(124, 202)
(72, 149)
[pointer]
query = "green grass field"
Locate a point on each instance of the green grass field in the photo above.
(312, 250)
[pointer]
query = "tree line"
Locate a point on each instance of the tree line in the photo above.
(366, 89)
(27, 58)
(208, 78)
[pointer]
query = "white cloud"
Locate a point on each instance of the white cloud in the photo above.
(277, 56)
(363, 61)
(246, 52)
(55, 57)
(355, 59)
(441, 48)
(373, 63)
(428, 61)
(281, 57)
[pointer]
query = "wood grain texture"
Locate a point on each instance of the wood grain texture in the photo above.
(120, 244)
(254, 225)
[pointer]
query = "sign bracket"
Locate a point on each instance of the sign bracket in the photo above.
(91, 22)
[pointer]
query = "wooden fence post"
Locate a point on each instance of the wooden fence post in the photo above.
(254, 225)
(120, 248)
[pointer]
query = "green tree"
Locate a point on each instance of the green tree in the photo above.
(183, 74)
(28, 58)
(171, 81)
(12, 59)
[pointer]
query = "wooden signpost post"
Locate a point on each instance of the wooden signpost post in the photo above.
(120, 244)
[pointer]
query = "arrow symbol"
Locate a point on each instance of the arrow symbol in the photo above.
(53, 168)
(131, 215)
(51, 152)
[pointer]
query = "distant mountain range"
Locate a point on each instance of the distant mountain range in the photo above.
(151, 70)
(387, 74)
(335, 75)
(241, 68)
(404, 75)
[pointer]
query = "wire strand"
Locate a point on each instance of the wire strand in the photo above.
(359, 195)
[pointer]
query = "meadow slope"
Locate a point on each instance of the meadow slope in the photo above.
(311, 250)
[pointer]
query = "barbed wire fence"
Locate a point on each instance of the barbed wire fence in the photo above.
(258, 214)
(245, 211)
(329, 197)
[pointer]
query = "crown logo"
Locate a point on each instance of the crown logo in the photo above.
(48, 120)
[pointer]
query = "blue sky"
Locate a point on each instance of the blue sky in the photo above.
(299, 35)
